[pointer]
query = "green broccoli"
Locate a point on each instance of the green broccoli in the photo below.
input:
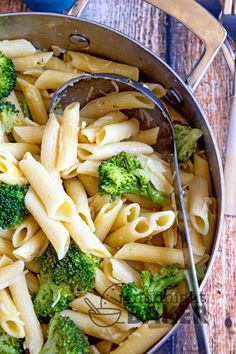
(12, 205)
(59, 280)
(64, 337)
(123, 174)
(9, 116)
(146, 301)
(7, 76)
(10, 345)
(186, 141)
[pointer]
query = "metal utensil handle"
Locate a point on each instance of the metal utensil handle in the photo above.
(78, 8)
(230, 163)
(203, 25)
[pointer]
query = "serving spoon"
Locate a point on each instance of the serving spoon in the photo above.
(89, 87)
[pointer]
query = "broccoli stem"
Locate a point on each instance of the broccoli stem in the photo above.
(155, 195)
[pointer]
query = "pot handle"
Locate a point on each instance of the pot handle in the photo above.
(203, 25)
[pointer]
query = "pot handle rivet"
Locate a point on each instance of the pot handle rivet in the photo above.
(81, 41)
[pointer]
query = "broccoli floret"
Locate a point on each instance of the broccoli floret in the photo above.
(146, 301)
(59, 280)
(186, 141)
(123, 174)
(10, 345)
(7, 76)
(12, 205)
(64, 337)
(9, 116)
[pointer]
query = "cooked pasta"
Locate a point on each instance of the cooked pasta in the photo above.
(132, 237)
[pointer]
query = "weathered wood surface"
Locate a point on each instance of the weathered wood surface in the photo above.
(150, 27)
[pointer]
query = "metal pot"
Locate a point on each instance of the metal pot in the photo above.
(71, 33)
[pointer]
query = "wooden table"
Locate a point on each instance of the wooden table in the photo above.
(180, 49)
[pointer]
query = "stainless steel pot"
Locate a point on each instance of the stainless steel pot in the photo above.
(71, 33)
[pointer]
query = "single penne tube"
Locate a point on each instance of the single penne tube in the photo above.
(136, 230)
(142, 339)
(6, 233)
(9, 170)
(96, 327)
(4, 261)
(53, 79)
(57, 64)
(6, 247)
(113, 133)
(143, 202)
(22, 300)
(24, 231)
(32, 282)
(127, 214)
(89, 168)
(34, 61)
(115, 102)
(119, 271)
(16, 48)
(152, 267)
(32, 248)
(84, 238)
(106, 217)
(34, 101)
(19, 149)
(111, 118)
(107, 289)
(199, 204)
(91, 64)
(157, 89)
(161, 221)
(208, 239)
(103, 152)
(33, 72)
(68, 139)
(30, 79)
(170, 237)
(150, 254)
(196, 241)
(32, 135)
(201, 168)
(10, 319)
(57, 203)
(110, 249)
(50, 147)
(10, 273)
(54, 230)
(75, 190)
(33, 266)
(90, 184)
(148, 136)
(80, 304)
(174, 114)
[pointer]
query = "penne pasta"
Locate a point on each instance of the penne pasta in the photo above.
(23, 303)
(34, 61)
(9, 170)
(76, 191)
(6, 233)
(115, 102)
(59, 65)
(157, 89)
(107, 289)
(10, 319)
(16, 48)
(148, 136)
(54, 230)
(32, 282)
(10, 273)
(90, 184)
(127, 214)
(19, 149)
(34, 101)
(103, 152)
(84, 238)
(31, 135)
(91, 64)
(24, 231)
(106, 217)
(117, 270)
(150, 254)
(136, 230)
(57, 203)
(113, 133)
(201, 168)
(89, 168)
(6, 247)
(53, 79)
(161, 221)
(32, 248)
(68, 138)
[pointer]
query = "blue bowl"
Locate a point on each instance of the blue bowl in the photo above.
(57, 6)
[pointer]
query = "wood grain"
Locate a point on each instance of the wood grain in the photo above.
(181, 49)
